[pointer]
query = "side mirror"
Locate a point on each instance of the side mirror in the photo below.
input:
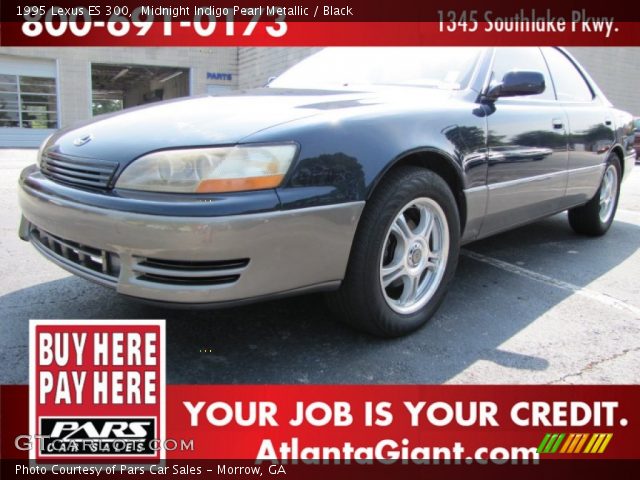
(516, 84)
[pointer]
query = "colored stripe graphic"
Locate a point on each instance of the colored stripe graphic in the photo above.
(592, 440)
(550, 443)
(581, 443)
(578, 440)
(603, 447)
(543, 443)
(573, 443)
(596, 445)
(567, 443)
(602, 441)
(555, 447)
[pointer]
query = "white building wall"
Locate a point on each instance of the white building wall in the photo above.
(74, 69)
(256, 65)
(616, 70)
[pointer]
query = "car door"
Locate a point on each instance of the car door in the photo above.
(591, 127)
(527, 147)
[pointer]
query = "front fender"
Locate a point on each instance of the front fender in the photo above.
(343, 159)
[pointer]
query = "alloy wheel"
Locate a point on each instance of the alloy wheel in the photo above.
(414, 256)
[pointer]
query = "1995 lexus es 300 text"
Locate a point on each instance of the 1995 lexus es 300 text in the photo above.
(357, 171)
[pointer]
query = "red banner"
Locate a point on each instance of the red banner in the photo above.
(357, 23)
(183, 34)
(392, 424)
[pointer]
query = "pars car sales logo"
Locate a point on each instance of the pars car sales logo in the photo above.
(97, 390)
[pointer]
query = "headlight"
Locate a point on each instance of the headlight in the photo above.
(210, 170)
(43, 145)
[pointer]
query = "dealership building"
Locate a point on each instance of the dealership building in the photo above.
(42, 89)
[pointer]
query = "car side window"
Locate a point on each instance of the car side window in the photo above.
(508, 59)
(569, 83)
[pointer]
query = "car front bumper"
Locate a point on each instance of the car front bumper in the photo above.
(193, 260)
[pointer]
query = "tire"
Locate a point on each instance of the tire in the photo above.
(596, 216)
(381, 240)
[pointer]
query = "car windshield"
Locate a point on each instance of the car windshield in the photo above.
(447, 68)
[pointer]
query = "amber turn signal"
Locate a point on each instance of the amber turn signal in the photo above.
(220, 185)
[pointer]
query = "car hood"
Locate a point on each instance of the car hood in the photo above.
(192, 122)
(200, 121)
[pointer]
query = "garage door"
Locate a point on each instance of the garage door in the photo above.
(28, 100)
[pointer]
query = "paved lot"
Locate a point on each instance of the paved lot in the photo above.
(535, 305)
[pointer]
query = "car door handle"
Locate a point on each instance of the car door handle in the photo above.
(607, 122)
(558, 124)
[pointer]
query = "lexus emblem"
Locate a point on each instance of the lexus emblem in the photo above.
(78, 142)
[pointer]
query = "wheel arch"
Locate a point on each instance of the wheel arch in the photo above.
(617, 150)
(439, 162)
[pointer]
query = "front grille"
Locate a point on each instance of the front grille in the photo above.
(78, 171)
(192, 273)
(98, 263)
